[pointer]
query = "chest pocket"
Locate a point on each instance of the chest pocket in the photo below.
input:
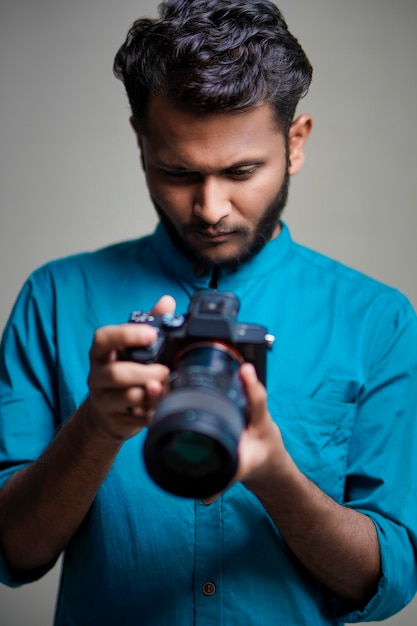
(317, 434)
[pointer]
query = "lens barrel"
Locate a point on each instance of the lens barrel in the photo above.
(191, 449)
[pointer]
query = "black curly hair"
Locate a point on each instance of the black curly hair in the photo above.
(207, 56)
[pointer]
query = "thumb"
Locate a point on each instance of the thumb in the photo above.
(166, 304)
(255, 393)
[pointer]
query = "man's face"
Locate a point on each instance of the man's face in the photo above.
(219, 182)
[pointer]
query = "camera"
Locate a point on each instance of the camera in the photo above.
(191, 448)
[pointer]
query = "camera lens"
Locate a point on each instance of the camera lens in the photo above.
(193, 454)
(191, 447)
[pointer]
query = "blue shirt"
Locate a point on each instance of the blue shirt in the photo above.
(342, 386)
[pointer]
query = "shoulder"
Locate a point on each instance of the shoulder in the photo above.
(340, 276)
(104, 263)
(117, 252)
(349, 294)
(85, 279)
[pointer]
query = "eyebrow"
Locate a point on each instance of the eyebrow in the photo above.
(232, 166)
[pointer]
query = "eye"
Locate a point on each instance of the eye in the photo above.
(243, 173)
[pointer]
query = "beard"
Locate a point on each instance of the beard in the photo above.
(252, 245)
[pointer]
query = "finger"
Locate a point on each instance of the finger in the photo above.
(124, 374)
(255, 393)
(110, 340)
(138, 401)
(143, 400)
(112, 402)
(147, 395)
(166, 304)
(155, 389)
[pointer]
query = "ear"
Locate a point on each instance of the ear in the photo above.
(138, 140)
(297, 139)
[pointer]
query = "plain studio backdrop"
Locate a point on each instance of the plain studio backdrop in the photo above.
(70, 178)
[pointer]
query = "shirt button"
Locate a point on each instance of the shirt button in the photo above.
(209, 589)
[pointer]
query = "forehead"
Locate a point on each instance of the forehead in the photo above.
(170, 130)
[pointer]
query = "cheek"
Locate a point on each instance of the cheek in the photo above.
(255, 199)
(173, 200)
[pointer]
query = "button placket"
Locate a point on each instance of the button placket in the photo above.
(208, 564)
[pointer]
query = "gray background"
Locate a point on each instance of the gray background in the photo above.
(70, 178)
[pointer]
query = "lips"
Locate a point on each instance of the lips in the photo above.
(212, 237)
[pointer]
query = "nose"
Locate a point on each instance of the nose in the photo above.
(211, 201)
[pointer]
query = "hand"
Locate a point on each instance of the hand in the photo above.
(124, 394)
(262, 454)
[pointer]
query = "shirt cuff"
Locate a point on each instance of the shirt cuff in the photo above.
(398, 582)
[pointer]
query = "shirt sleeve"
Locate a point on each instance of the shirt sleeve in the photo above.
(28, 407)
(382, 465)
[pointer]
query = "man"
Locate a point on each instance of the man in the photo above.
(319, 523)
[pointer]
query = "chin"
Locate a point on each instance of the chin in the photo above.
(221, 258)
(226, 261)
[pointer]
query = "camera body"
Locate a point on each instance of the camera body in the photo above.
(211, 317)
(191, 447)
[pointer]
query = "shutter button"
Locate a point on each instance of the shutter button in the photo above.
(209, 589)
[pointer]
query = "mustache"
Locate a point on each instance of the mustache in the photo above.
(220, 229)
